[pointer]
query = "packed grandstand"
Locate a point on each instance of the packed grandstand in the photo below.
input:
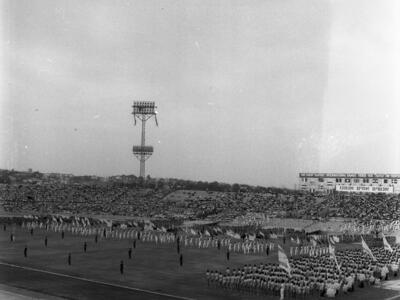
(189, 200)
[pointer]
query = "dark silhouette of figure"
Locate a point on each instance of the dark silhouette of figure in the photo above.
(62, 234)
(45, 241)
(84, 247)
(227, 254)
(25, 251)
(181, 260)
(69, 259)
(130, 253)
(121, 267)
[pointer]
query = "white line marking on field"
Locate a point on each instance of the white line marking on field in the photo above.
(392, 298)
(13, 295)
(96, 281)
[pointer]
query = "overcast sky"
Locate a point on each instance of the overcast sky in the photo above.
(247, 91)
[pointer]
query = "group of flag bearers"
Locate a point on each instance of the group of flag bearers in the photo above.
(188, 238)
(328, 274)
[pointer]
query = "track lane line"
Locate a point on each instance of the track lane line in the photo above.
(96, 281)
(392, 298)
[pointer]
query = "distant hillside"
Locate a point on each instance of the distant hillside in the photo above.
(168, 184)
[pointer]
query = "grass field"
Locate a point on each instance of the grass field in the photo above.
(152, 267)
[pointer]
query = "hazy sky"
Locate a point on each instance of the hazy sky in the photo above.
(247, 91)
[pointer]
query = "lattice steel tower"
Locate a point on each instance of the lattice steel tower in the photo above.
(143, 110)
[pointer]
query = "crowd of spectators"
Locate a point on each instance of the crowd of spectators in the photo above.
(190, 205)
(78, 199)
(294, 204)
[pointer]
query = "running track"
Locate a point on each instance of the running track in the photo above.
(71, 287)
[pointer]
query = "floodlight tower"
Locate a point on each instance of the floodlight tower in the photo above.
(143, 110)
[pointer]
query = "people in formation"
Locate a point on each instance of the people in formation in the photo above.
(312, 275)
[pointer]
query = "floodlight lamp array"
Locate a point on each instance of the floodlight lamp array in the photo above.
(144, 107)
(145, 150)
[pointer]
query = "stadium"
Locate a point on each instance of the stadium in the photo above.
(200, 150)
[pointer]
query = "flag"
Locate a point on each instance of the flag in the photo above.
(148, 227)
(331, 251)
(261, 233)
(336, 239)
(232, 234)
(366, 249)
(108, 222)
(298, 241)
(217, 229)
(313, 241)
(332, 255)
(386, 245)
(397, 237)
(252, 237)
(283, 260)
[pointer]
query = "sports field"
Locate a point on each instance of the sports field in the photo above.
(152, 273)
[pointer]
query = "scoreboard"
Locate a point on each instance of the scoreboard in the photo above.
(350, 182)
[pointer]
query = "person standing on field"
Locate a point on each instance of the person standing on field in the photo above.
(121, 267)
